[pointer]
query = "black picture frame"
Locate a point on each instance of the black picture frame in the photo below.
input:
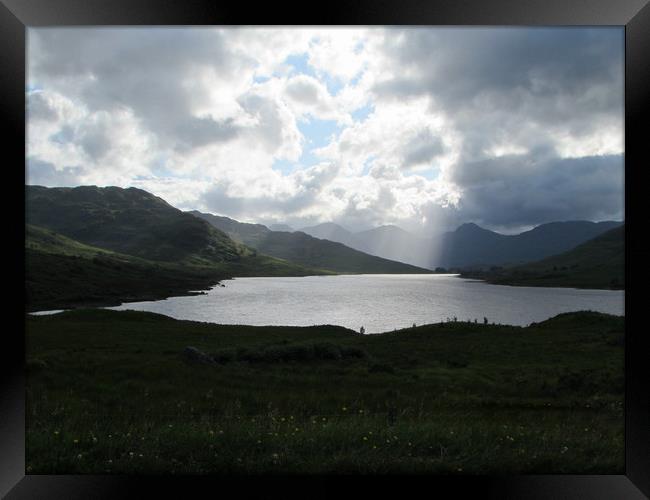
(17, 15)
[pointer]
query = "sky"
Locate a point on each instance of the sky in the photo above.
(424, 128)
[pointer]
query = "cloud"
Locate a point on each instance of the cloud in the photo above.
(304, 89)
(507, 127)
(422, 148)
(522, 190)
(196, 132)
(516, 85)
(40, 108)
(42, 173)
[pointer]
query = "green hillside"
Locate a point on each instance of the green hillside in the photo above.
(89, 245)
(306, 250)
(598, 263)
(110, 392)
(129, 221)
(62, 273)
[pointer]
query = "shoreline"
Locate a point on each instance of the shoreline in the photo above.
(535, 285)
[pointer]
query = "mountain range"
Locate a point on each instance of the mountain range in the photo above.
(92, 245)
(469, 245)
(597, 263)
(103, 246)
(390, 242)
(301, 248)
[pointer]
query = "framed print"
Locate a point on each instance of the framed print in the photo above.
(394, 244)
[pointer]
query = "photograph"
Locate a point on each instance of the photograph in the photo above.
(325, 250)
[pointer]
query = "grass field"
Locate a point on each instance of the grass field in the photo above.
(111, 392)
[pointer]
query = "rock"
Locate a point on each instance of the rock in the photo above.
(193, 355)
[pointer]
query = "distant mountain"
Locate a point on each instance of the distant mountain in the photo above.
(597, 263)
(305, 249)
(281, 227)
(332, 232)
(473, 246)
(468, 246)
(389, 242)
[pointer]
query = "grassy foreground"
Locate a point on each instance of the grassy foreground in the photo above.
(111, 392)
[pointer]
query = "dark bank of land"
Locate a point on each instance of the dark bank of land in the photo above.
(598, 263)
(63, 273)
(90, 246)
(112, 392)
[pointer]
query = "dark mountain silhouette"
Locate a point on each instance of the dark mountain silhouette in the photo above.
(468, 246)
(333, 232)
(473, 246)
(305, 249)
(597, 263)
(281, 227)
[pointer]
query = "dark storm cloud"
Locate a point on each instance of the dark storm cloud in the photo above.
(456, 65)
(492, 82)
(423, 148)
(537, 89)
(520, 190)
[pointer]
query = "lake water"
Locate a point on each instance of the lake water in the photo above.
(377, 302)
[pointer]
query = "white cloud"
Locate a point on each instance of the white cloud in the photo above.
(200, 116)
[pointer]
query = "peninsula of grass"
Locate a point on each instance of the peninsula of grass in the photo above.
(62, 273)
(112, 392)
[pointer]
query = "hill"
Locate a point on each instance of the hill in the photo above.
(64, 273)
(333, 232)
(474, 246)
(129, 221)
(598, 263)
(468, 246)
(103, 246)
(307, 250)
(281, 227)
(116, 389)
